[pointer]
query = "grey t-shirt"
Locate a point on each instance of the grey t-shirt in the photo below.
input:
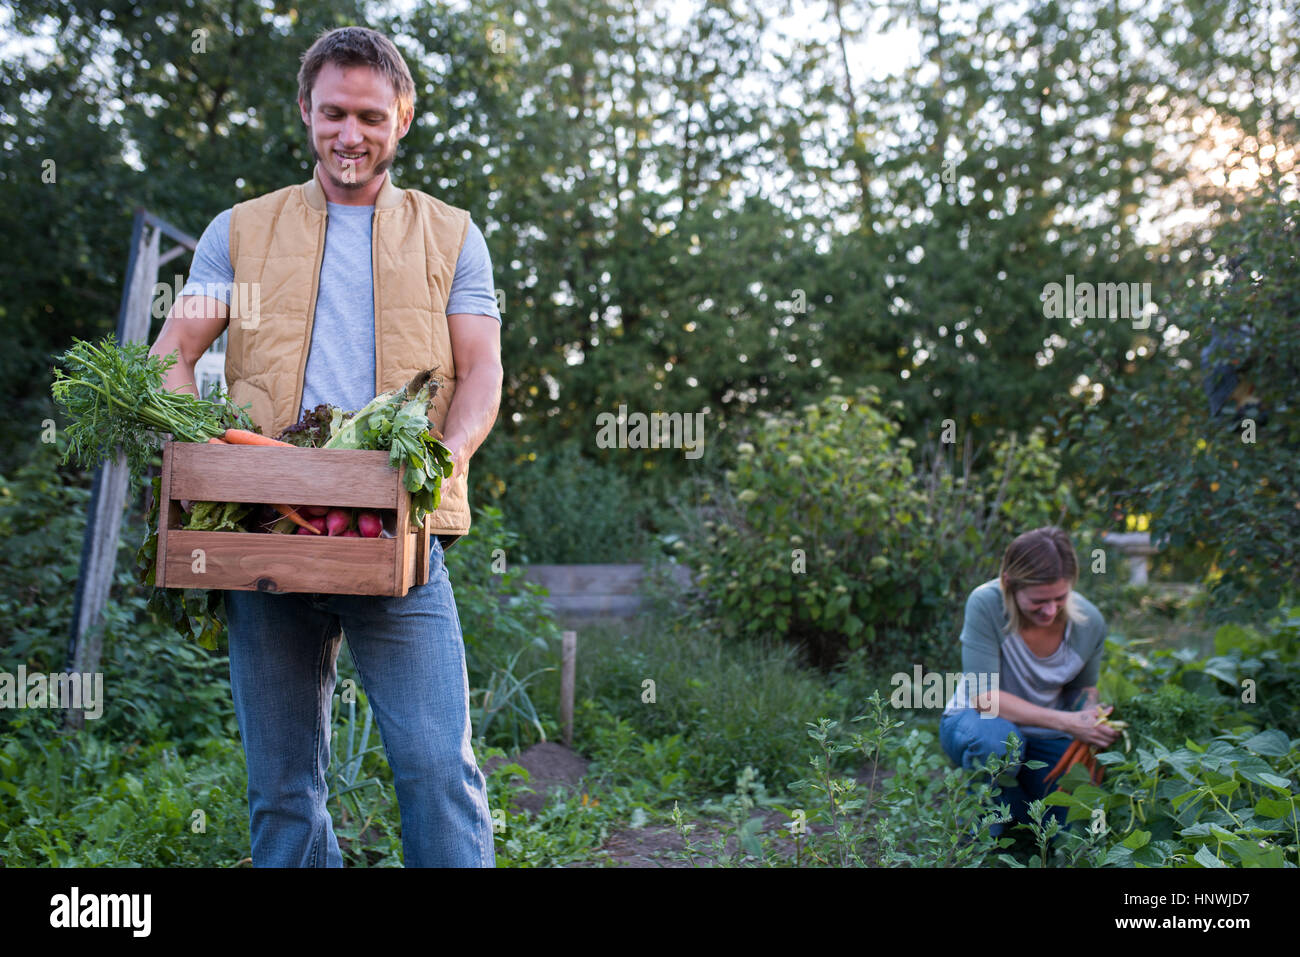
(341, 361)
(1051, 682)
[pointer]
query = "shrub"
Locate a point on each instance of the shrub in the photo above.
(1170, 715)
(825, 533)
(569, 509)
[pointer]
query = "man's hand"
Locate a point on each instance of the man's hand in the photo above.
(458, 459)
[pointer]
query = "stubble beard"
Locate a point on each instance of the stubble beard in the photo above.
(380, 169)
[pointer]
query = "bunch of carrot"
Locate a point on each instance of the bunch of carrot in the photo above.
(1080, 753)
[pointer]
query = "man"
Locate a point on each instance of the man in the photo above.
(338, 290)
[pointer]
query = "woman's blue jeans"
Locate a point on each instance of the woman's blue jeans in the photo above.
(968, 739)
(410, 657)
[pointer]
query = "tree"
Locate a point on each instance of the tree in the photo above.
(1222, 483)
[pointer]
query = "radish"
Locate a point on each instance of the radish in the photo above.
(337, 521)
(369, 525)
(314, 511)
(305, 531)
(350, 533)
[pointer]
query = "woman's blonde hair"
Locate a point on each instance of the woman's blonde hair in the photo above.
(1040, 557)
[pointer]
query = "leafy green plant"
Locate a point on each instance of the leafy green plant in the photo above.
(397, 422)
(42, 523)
(507, 696)
(507, 628)
(939, 815)
(85, 801)
(568, 508)
(737, 705)
(569, 828)
(116, 402)
(924, 814)
(351, 774)
(826, 533)
(1230, 803)
(1248, 681)
(1171, 714)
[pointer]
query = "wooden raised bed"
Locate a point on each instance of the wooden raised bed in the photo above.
(260, 561)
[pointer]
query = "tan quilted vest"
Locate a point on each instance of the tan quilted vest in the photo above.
(278, 240)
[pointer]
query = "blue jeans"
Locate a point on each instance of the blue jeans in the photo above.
(968, 739)
(410, 657)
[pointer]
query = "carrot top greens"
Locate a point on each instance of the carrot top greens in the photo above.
(115, 400)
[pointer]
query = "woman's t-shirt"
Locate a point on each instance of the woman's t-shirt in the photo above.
(1051, 682)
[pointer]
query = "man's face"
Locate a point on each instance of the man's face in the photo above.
(353, 125)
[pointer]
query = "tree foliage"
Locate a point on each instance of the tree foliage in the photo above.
(713, 213)
(1216, 471)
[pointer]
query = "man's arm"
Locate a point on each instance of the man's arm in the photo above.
(476, 351)
(192, 325)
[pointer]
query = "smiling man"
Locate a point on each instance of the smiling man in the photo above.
(359, 285)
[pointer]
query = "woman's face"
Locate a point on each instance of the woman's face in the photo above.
(1043, 605)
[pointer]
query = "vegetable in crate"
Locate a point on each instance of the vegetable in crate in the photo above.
(396, 422)
(312, 430)
(114, 400)
(218, 516)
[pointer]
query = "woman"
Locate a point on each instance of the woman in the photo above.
(1043, 642)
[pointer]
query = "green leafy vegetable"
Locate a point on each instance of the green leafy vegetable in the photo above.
(398, 422)
(181, 608)
(218, 516)
(115, 401)
(314, 428)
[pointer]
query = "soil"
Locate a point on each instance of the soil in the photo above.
(552, 767)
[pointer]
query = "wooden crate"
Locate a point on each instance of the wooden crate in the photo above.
(260, 561)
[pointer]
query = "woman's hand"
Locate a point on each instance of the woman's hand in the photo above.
(1084, 726)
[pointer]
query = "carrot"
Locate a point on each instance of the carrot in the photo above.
(216, 441)
(291, 513)
(1066, 761)
(1095, 770)
(244, 437)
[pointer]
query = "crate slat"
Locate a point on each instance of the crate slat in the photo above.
(258, 561)
(244, 561)
(348, 478)
(422, 549)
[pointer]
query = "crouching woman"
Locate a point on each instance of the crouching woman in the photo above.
(1043, 641)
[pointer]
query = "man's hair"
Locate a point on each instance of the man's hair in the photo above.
(358, 46)
(1041, 557)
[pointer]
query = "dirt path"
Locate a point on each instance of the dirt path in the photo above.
(551, 765)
